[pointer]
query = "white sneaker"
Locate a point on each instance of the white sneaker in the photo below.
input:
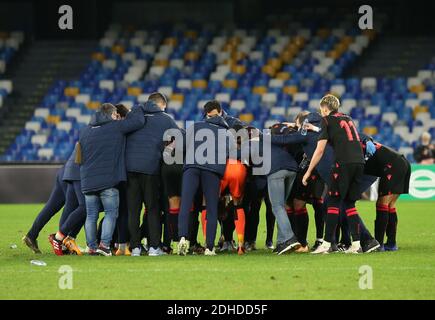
(156, 252)
(323, 248)
(183, 247)
(135, 252)
(355, 248)
(209, 252)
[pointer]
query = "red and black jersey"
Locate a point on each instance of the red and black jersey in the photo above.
(382, 157)
(340, 131)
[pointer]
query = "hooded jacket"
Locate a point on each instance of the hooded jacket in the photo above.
(231, 121)
(210, 125)
(271, 160)
(72, 169)
(145, 146)
(102, 145)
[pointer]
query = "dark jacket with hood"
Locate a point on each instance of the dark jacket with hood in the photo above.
(211, 125)
(145, 146)
(232, 121)
(279, 157)
(102, 145)
(72, 169)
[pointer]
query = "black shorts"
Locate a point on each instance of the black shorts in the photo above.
(395, 178)
(346, 181)
(171, 178)
(313, 191)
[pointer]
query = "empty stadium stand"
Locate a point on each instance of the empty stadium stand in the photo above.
(41, 64)
(262, 75)
(10, 43)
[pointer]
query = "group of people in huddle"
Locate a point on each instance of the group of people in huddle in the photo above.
(132, 164)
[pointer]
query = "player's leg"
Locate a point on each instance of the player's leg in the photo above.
(333, 202)
(291, 214)
(301, 222)
(237, 188)
(298, 192)
(122, 222)
(195, 247)
(366, 238)
(57, 238)
(144, 234)
(110, 201)
(92, 212)
(227, 227)
(240, 223)
(319, 219)
(401, 174)
(71, 203)
(174, 211)
(381, 221)
(354, 226)
(75, 220)
(210, 183)
(203, 218)
(343, 236)
(279, 186)
(250, 228)
(331, 222)
(171, 179)
(172, 217)
(55, 202)
(226, 219)
(270, 222)
(190, 183)
(134, 204)
(152, 203)
(193, 227)
(355, 173)
(257, 191)
(391, 229)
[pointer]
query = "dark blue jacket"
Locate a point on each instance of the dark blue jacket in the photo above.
(280, 157)
(102, 145)
(72, 169)
(145, 146)
(231, 120)
(309, 144)
(213, 124)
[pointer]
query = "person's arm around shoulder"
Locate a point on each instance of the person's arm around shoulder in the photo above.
(318, 153)
(134, 120)
(289, 138)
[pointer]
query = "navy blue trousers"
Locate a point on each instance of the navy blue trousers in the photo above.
(255, 192)
(123, 235)
(74, 212)
(210, 183)
(53, 205)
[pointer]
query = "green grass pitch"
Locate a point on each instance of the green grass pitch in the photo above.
(406, 274)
